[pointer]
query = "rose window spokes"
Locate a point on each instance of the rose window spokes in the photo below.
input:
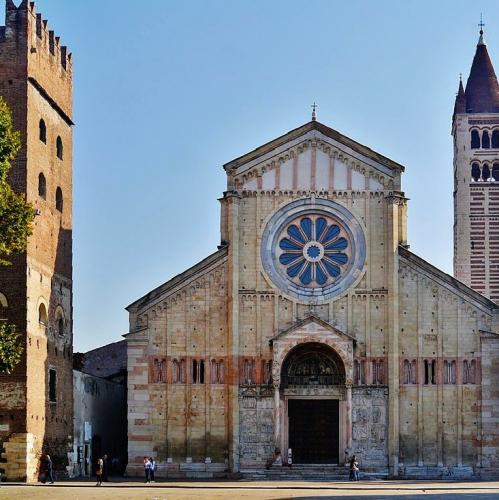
(314, 251)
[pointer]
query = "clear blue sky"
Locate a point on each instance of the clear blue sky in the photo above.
(165, 92)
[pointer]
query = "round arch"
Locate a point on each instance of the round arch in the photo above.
(312, 364)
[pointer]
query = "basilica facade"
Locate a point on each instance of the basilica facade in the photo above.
(314, 328)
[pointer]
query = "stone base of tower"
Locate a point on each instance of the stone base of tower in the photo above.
(21, 458)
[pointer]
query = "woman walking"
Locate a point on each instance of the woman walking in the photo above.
(99, 469)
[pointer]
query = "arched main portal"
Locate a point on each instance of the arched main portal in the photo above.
(314, 393)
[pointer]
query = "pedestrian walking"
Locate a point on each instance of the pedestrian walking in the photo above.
(153, 469)
(49, 474)
(147, 469)
(98, 471)
(354, 469)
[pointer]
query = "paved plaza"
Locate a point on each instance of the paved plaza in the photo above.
(242, 490)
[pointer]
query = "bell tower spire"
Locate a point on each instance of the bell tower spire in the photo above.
(475, 128)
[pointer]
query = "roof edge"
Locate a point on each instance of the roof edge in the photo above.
(478, 297)
(179, 278)
(303, 129)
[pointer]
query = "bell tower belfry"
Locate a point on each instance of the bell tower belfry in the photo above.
(475, 129)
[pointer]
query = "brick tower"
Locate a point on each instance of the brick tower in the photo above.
(475, 128)
(36, 401)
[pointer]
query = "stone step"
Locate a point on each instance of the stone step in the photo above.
(309, 472)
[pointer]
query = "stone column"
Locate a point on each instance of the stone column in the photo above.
(348, 419)
(277, 417)
(233, 326)
(394, 204)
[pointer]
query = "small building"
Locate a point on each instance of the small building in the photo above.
(99, 391)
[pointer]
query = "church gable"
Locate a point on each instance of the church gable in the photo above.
(313, 328)
(314, 158)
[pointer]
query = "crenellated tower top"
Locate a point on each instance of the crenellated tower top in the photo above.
(27, 40)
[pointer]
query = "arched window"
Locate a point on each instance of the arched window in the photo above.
(42, 131)
(495, 139)
(175, 372)
(475, 172)
(449, 372)
(495, 172)
(42, 186)
(42, 315)
(377, 371)
(475, 139)
(485, 140)
(359, 372)
(249, 371)
(267, 371)
(159, 370)
(485, 172)
(430, 372)
(60, 326)
(59, 147)
(58, 199)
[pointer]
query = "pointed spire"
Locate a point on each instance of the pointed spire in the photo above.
(482, 89)
(460, 104)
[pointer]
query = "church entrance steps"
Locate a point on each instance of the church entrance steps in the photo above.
(435, 472)
(308, 472)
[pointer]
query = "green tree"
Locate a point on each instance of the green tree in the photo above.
(10, 347)
(16, 219)
(16, 214)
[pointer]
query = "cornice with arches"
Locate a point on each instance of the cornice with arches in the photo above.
(213, 279)
(328, 149)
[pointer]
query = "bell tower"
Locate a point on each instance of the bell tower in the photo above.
(475, 129)
(36, 400)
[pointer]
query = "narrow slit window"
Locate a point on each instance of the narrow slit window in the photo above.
(52, 386)
(59, 148)
(42, 131)
(42, 186)
(59, 200)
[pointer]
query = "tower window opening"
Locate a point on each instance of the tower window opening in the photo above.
(485, 140)
(485, 172)
(198, 371)
(42, 315)
(60, 326)
(430, 371)
(475, 139)
(59, 148)
(42, 186)
(52, 386)
(42, 131)
(58, 199)
(495, 172)
(475, 172)
(495, 139)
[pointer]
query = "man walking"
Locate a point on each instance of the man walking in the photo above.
(153, 468)
(48, 469)
(147, 469)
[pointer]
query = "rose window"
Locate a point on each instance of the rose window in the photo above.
(315, 251)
